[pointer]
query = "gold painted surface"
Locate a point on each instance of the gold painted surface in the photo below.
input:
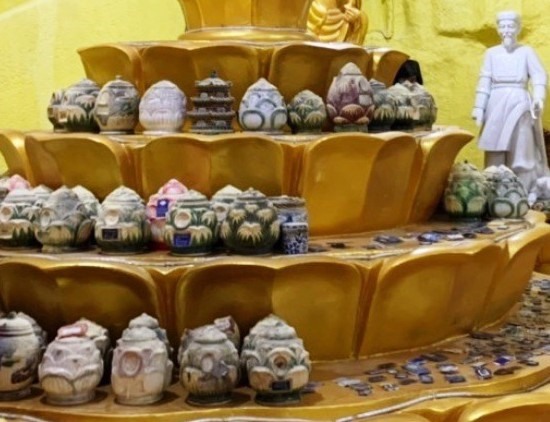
(12, 148)
(104, 62)
(254, 20)
(385, 64)
(335, 175)
(534, 407)
(429, 295)
(300, 291)
(439, 151)
(337, 21)
(93, 161)
(208, 164)
(184, 63)
(292, 65)
(388, 191)
(59, 293)
(514, 272)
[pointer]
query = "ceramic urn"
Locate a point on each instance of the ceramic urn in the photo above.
(71, 368)
(63, 224)
(350, 102)
(466, 194)
(425, 110)
(20, 354)
(158, 206)
(141, 369)
(147, 321)
(506, 196)
(385, 108)
(76, 111)
(405, 115)
(162, 109)
(122, 226)
(14, 182)
(209, 367)
(306, 113)
(251, 226)
(191, 225)
(88, 199)
(262, 108)
(116, 108)
(18, 214)
(53, 110)
(278, 366)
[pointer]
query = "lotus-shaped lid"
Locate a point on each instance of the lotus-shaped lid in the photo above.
(193, 198)
(268, 322)
(285, 201)
(21, 196)
(496, 173)
(350, 69)
(42, 192)
(64, 200)
(135, 334)
(14, 182)
(280, 332)
(13, 325)
(144, 320)
(78, 329)
(227, 193)
(377, 86)
(251, 195)
(84, 194)
(119, 83)
(93, 330)
(465, 170)
(123, 196)
(262, 85)
(213, 80)
(208, 334)
(306, 95)
(84, 85)
(172, 187)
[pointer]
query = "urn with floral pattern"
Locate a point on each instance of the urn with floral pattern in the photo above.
(251, 226)
(506, 196)
(122, 226)
(306, 113)
(466, 193)
(116, 107)
(76, 110)
(53, 110)
(20, 354)
(262, 108)
(385, 108)
(162, 109)
(191, 225)
(18, 213)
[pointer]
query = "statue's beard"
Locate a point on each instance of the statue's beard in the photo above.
(508, 42)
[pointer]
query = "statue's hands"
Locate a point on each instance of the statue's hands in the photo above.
(351, 14)
(536, 108)
(477, 115)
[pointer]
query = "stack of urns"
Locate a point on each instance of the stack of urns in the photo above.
(352, 104)
(272, 357)
(495, 193)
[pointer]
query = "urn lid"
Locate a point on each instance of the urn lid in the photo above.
(285, 201)
(227, 193)
(21, 196)
(119, 83)
(165, 85)
(85, 85)
(172, 187)
(251, 195)
(350, 69)
(137, 334)
(208, 334)
(38, 330)
(14, 182)
(42, 192)
(12, 325)
(499, 173)
(213, 81)
(280, 332)
(306, 95)
(262, 85)
(123, 196)
(84, 194)
(193, 198)
(377, 86)
(465, 170)
(144, 320)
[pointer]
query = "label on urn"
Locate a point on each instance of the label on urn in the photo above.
(281, 385)
(109, 234)
(162, 207)
(182, 240)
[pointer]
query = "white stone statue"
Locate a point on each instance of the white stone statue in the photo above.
(510, 114)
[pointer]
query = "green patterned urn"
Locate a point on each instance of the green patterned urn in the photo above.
(506, 196)
(466, 193)
(306, 113)
(191, 225)
(251, 226)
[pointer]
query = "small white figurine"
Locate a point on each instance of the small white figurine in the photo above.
(509, 113)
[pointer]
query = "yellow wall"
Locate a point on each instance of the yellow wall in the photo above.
(448, 37)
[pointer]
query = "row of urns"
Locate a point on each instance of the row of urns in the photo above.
(496, 193)
(183, 220)
(72, 366)
(352, 104)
